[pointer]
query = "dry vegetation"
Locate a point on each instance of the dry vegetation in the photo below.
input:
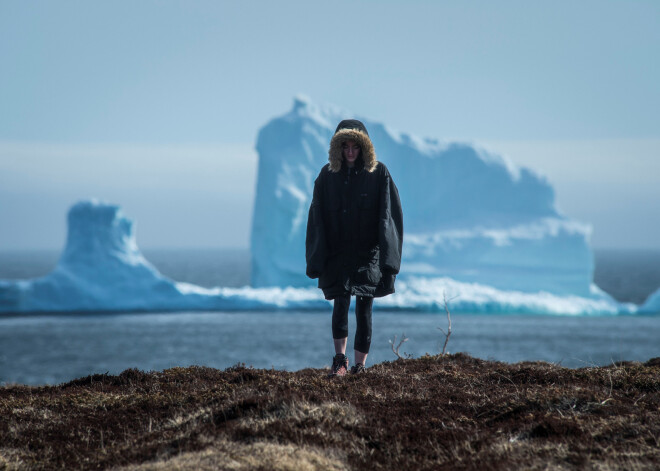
(435, 412)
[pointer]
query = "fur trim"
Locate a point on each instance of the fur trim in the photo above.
(367, 151)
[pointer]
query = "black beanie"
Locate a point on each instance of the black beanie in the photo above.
(351, 124)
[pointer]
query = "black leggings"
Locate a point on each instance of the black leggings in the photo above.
(362, 315)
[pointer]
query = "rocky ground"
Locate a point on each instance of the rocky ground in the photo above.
(434, 412)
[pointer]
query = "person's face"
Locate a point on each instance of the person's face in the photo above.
(351, 151)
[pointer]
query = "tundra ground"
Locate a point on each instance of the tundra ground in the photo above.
(434, 412)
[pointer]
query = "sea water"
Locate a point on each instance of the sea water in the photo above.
(50, 349)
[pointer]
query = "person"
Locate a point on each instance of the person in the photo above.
(354, 237)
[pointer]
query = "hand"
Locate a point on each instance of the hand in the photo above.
(386, 283)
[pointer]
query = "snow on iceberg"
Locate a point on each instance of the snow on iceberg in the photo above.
(102, 269)
(469, 214)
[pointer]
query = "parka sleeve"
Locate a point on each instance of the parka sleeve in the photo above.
(315, 243)
(390, 226)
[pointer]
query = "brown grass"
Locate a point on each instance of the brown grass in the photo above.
(452, 412)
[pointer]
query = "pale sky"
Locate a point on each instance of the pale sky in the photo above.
(155, 105)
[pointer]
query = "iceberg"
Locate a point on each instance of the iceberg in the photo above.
(469, 214)
(652, 303)
(102, 269)
(478, 231)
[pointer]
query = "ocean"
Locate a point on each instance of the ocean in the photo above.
(50, 349)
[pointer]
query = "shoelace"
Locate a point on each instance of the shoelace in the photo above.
(358, 368)
(338, 362)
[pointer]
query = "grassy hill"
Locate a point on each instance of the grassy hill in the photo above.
(434, 412)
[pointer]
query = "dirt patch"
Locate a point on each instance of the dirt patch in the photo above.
(239, 456)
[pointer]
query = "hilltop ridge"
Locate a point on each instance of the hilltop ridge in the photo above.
(434, 412)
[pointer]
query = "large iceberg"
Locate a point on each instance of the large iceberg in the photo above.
(469, 214)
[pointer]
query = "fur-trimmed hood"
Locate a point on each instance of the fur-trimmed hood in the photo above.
(352, 130)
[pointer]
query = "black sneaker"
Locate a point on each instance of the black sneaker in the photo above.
(358, 368)
(339, 365)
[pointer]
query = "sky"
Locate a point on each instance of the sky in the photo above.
(156, 105)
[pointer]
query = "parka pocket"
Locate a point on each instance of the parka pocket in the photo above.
(367, 201)
(368, 228)
(332, 218)
(333, 204)
(331, 272)
(368, 271)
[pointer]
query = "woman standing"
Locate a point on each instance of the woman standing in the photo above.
(354, 237)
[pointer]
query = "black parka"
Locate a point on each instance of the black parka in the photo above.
(355, 224)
